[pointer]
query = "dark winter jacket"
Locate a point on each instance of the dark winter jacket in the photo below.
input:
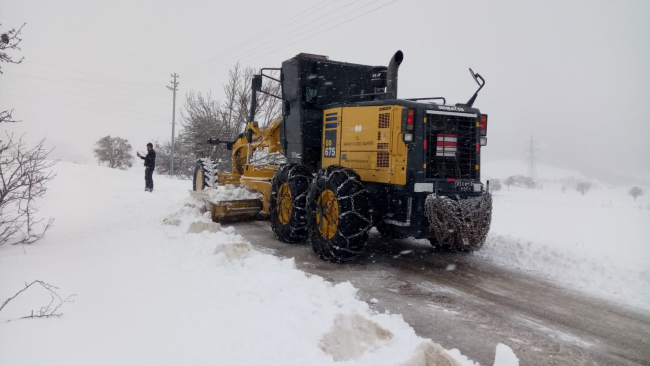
(150, 159)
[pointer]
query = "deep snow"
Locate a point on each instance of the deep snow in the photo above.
(150, 293)
(596, 243)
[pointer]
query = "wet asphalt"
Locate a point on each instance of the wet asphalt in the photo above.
(465, 302)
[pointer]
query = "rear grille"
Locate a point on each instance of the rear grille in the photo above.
(451, 147)
(382, 159)
(384, 120)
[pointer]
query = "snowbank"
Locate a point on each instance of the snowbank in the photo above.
(158, 284)
(230, 192)
(596, 243)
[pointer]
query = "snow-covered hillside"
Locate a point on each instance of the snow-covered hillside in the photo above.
(597, 242)
(150, 293)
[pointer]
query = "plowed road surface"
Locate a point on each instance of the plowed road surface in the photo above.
(464, 302)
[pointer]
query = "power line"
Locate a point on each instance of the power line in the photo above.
(258, 37)
(86, 95)
(300, 40)
(283, 38)
(78, 101)
(31, 67)
(71, 83)
(67, 51)
(76, 106)
(85, 73)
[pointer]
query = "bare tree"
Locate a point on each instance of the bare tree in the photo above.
(184, 159)
(9, 41)
(636, 192)
(24, 174)
(509, 181)
(114, 151)
(583, 187)
(204, 118)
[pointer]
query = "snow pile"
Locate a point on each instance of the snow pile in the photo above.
(230, 192)
(596, 243)
(150, 293)
(351, 336)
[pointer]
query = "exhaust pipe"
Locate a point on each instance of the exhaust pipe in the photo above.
(391, 75)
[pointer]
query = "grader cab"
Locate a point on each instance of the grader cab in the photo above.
(357, 157)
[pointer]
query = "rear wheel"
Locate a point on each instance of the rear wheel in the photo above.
(446, 248)
(288, 203)
(340, 215)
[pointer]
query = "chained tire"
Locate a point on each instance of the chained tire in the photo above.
(288, 203)
(339, 214)
(459, 225)
(442, 248)
(204, 172)
(387, 231)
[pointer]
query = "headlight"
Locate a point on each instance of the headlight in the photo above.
(483, 141)
(408, 137)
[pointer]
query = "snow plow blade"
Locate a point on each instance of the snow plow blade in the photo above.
(239, 210)
(460, 224)
(231, 210)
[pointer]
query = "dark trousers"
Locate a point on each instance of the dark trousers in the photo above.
(148, 178)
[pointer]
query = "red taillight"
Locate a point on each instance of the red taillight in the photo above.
(478, 146)
(410, 118)
(425, 144)
(451, 180)
(484, 124)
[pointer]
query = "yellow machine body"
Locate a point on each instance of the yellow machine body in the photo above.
(368, 140)
(257, 178)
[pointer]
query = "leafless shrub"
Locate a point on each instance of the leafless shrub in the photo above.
(48, 311)
(24, 174)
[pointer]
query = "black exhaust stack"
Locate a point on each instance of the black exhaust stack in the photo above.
(391, 76)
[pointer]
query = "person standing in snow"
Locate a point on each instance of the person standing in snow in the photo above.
(149, 165)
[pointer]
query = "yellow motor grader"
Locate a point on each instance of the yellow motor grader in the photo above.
(357, 157)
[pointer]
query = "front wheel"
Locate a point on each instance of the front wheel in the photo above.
(339, 214)
(200, 176)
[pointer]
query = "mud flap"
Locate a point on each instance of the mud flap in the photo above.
(460, 224)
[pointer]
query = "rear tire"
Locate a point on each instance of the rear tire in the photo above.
(339, 214)
(288, 203)
(447, 248)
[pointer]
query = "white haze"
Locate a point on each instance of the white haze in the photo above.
(573, 74)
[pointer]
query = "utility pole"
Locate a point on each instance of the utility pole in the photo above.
(531, 158)
(173, 88)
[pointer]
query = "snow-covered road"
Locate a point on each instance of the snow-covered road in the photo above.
(464, 300)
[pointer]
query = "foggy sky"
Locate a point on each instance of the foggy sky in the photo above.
(574, 74)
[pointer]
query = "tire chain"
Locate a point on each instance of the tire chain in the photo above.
(294, 172)
(361, 190)
(461, 224)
